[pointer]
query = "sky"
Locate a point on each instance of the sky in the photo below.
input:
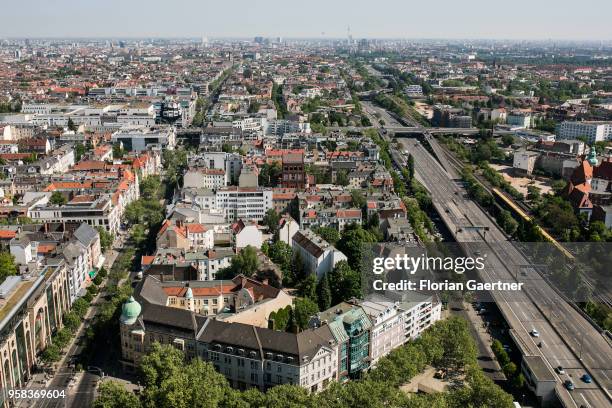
(463, 19)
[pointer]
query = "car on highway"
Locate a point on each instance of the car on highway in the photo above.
(586, 378)
(535, 333)
(560, 370)
(569, 385)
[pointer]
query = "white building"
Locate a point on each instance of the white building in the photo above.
(205, 178)
(593, 131)
(279, 127)
(318, 256)
(244, 203)
(246, 235)
(98, 213)
(519, 119)
(231, 163)
(388, 331)
(525, 161)
(139, 138)
(413, 90)
(288, 228)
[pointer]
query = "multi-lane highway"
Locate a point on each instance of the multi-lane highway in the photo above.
(566, 338)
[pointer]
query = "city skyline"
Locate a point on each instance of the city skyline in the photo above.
(521, 20)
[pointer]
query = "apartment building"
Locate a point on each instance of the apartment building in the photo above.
(210, 178)
(318, 256)
(207, 262)
(246, 203)
(32, 308)
(592, 131)
(352, 331)
(248, 356)
(95, 211)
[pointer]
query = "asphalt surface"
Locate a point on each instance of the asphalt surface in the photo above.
(566, 335)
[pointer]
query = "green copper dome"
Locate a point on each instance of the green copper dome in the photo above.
(130, 311)
(592, 157)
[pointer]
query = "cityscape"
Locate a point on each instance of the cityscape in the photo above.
(305, 220)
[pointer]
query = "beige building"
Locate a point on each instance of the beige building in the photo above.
(30, 310)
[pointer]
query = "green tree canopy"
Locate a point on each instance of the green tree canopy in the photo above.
(112, 394)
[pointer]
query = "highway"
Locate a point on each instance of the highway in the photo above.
(565, 334)
(567, 338)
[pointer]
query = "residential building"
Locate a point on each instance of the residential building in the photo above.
(318, 256)
(246, 234)
(592, 131)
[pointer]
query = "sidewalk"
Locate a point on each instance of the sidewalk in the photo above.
(486, 359)
(58, 380)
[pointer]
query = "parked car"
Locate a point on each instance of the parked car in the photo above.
(560, 370)
(535, 333)
(586, 378)
(569, 385)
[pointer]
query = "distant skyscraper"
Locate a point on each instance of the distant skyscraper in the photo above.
(204, 41)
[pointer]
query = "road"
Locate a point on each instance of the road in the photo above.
(80, 387)
(566, 335)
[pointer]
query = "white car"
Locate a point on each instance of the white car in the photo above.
(535, 333)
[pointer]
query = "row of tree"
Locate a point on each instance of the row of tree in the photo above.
(170, 381)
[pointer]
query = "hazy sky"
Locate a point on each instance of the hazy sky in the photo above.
(513, 19)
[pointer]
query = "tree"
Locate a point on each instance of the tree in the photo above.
(7, 265)
(324, 295)
(308, 287)
(117, 151)
(481, 392)
(172, 383)
(71, 125)
(344, 283)
(106, 238)
(245, 263)
(410, 167)
(112, 394)
(51, 354)
(352, 243)
(303, 310)
(280, 318)
(270, 174)
(357, 199)
(329, 234)
(507, 140)
(57, 198)
(533, 193)
(292, 325)
(271, 220)
(342, 178)
(71, 321)
(79, 151)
